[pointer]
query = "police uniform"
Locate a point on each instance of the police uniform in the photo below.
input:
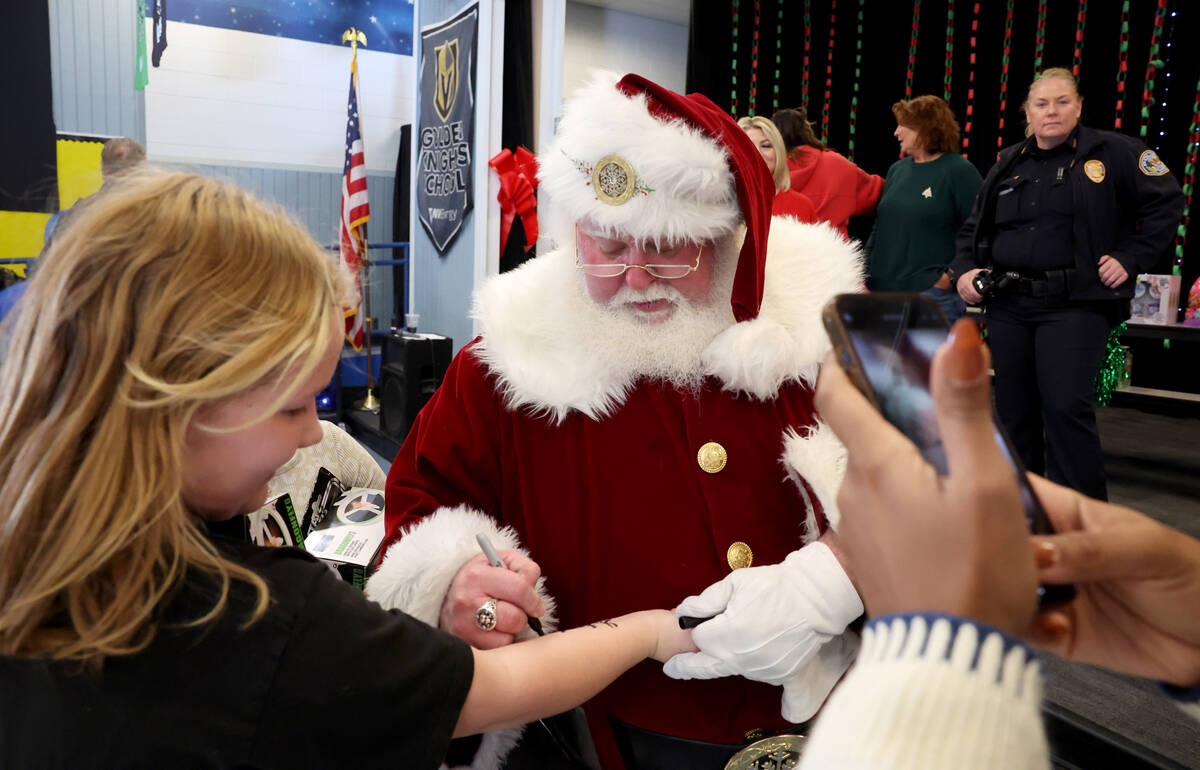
(1047, 217)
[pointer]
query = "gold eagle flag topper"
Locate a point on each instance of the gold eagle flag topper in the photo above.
(447, 78)
(354, 37)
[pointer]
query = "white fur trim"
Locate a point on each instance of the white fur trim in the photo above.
(807, 265)
(818, 458)
(537, 345)
(528, 320)
(415, 576)
(691, 192)
(416, 572)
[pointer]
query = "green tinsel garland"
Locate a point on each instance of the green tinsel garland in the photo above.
(1113, 368)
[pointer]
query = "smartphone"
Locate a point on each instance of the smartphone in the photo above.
(886, 342)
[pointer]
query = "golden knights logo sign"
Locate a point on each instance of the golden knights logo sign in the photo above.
(447, 78)
(446, 130)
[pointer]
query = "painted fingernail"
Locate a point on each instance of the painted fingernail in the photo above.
(1046, 553)
(965, 362)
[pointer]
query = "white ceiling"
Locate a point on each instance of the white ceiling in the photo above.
(674, 11)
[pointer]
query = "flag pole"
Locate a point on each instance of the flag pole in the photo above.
(370, 403)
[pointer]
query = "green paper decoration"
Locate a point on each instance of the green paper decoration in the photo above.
(1112, 371)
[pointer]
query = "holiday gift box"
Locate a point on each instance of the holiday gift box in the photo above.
(347, 535)
(276, 524)
(1155, 299)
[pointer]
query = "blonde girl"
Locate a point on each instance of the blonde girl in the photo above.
(162, 366)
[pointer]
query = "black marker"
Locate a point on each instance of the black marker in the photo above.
(494, 559)
(687, 621)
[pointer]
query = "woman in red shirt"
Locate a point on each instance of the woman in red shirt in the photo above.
(837, 188)
(788, 202)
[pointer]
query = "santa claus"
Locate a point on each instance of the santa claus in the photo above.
(635, 425)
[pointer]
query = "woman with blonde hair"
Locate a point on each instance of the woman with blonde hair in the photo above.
(1062, 224)
(165, 365)
(788, 202)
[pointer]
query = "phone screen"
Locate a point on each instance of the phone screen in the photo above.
(889, 340)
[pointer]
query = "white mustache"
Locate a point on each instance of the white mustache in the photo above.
(655, 291)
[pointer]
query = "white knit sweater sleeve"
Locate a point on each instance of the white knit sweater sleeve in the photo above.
(930, 692)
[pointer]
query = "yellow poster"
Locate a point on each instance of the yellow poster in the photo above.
(22, 232)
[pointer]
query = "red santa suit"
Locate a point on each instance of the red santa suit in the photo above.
(837, 188)
(553, 441)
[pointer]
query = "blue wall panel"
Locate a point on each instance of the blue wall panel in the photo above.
(313, 198)
(91, 63)
(92, 68)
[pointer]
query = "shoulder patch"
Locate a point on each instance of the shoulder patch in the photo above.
(1094, 170)
(1151, 164)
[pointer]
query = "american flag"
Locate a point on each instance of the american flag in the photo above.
(355, 209)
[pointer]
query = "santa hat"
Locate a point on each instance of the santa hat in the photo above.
(634, 157)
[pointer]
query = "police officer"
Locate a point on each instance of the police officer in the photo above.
(1063, 223)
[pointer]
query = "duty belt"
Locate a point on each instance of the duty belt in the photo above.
(1037, 283)
(648, 750)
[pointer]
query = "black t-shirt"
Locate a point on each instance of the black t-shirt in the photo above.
(325, 679)
(1035, 212)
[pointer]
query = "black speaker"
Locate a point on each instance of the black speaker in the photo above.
(413, 367)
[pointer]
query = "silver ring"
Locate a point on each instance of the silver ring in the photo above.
(485, 616)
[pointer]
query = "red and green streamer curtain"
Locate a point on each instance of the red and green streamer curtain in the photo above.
(970, 117)
(733, 102)
(948, 75)
(912, 50)
(1122, 64)
(1152, 67)
(858, 44)
(1080, 23)
(1007, 53)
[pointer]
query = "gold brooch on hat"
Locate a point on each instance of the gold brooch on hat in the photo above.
(613, 179)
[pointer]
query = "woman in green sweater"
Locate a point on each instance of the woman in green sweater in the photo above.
(926, 197)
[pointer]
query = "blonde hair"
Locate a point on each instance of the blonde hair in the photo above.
(783, 178)
(168, 293)
(1062, 73)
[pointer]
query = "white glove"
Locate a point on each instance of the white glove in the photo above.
(780, 624)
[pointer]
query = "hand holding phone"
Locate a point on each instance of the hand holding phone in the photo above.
(933, 504)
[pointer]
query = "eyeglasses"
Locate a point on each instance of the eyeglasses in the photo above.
(615, 269)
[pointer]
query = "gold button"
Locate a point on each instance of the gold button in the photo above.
(739, 555)
(712, 457)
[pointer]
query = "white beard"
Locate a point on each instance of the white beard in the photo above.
(670, 350)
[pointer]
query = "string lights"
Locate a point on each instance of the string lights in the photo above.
(912, 50)
(828, 72)
(970, 121)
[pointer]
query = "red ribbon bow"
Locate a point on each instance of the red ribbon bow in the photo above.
(518, 180)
